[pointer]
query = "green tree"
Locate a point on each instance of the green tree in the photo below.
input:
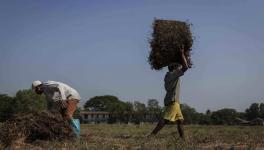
(6, 107)
(224, 116)
(261, 110)
(190, 114)
(129, 107)
(128, 112)
(108, 103)
(208, 112)
(26, 101)
(205, 119)
(102, 103)
(140, 107)
(241, 115)
(154, 109)
(77, 113)
(153, 105)
(139, 112)
(253, 111)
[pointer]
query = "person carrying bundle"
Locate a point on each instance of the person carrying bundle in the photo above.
(61, 98)
(172, 111)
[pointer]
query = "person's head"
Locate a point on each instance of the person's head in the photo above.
(174, 66)
(37, 87)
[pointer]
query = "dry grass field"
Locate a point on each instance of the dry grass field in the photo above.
(119, 136)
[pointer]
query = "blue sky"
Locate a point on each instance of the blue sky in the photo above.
(101, 47)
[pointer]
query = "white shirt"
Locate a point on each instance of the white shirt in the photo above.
(55, 91)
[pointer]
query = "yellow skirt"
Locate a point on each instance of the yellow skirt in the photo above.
(173, 112)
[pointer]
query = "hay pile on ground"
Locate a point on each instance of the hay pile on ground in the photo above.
(35, 126)
(167, 37)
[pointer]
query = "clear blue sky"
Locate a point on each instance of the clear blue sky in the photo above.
(101, 47)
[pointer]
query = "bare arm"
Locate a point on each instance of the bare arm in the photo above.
(184, 60)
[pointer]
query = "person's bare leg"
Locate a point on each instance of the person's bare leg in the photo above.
(71, 108)
(180, 128)
(159, 126)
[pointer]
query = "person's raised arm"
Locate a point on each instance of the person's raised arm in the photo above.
(185, 65)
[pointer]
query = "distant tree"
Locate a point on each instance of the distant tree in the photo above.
(139, 107)
(190, 115)
(204, 119)
(224, 116)
(139, 112)
(154, 110)
(26, 101)
(129, 107)
(241, 115)
(153, 105)
(118, 112)
(108, 103)
(208, 112)
(102, 103)
(77, 113)
(261, 110)
(253, 111)
(6, 107)
(128, 112)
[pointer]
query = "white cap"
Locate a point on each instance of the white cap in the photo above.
(35, 84)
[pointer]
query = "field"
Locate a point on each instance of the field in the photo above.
(119, 136)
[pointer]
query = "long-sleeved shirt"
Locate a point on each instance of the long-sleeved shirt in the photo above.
(172, 86)
(55, 91)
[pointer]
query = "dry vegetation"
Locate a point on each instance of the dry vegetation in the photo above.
(103, 136)
(167, 37)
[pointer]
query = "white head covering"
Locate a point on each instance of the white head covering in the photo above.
(35, 84)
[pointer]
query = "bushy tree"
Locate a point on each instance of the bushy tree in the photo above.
(208, 112)
(205, 119)
(128, 112)
(6, 107)
(261, 110)
(26, 101)
(190, 115)
(153, 105)
(102, 103)
(154, 109)
(139, 111)
(140, 107)
(77, 113)
(108, 103)
(224, 116)
(253, 111)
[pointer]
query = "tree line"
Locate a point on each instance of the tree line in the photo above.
(26, 101)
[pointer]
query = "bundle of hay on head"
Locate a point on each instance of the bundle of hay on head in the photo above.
(167, 38)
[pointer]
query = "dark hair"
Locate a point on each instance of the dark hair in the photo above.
(173, 66)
